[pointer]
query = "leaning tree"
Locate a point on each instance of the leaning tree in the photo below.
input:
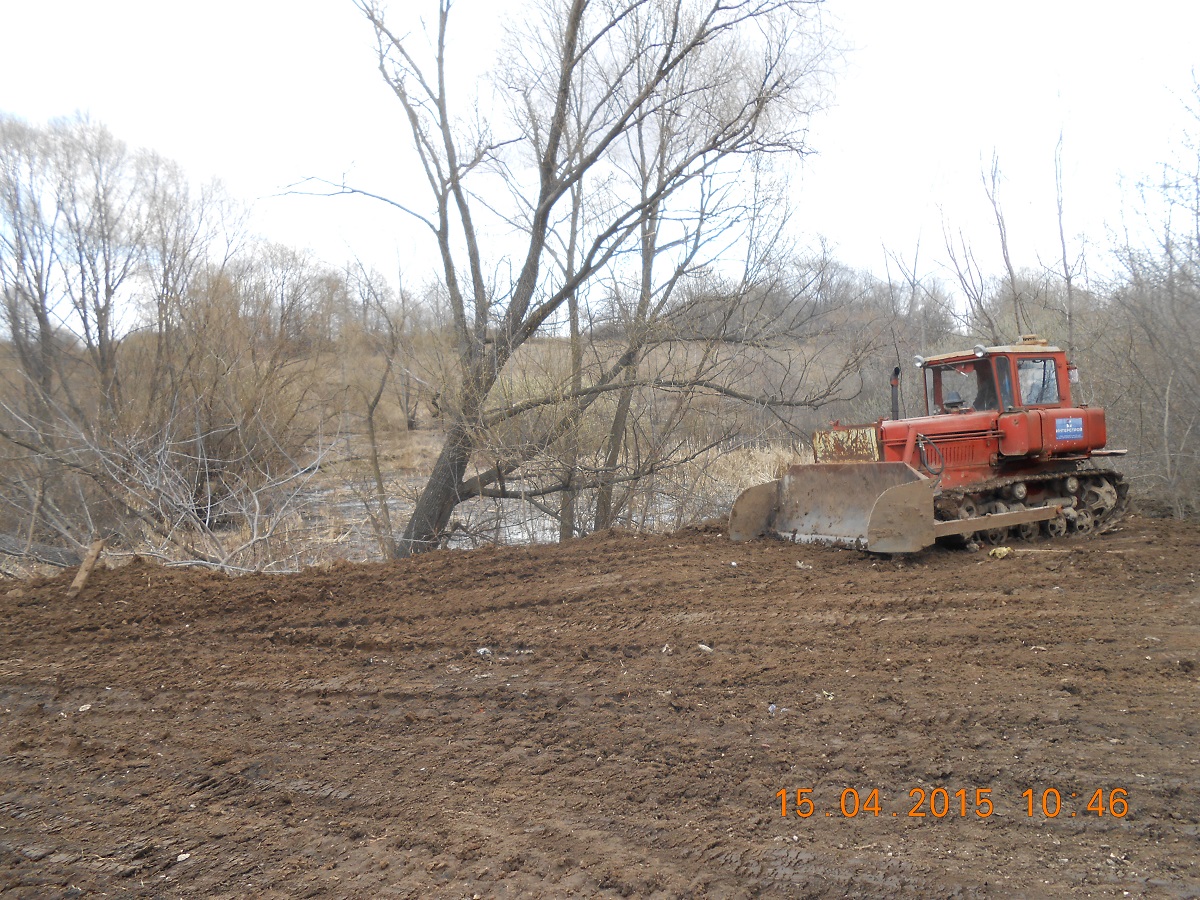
(621, 135)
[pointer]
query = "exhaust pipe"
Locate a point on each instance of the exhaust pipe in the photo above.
(895, 393)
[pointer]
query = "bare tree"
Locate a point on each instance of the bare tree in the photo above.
(991, 186)
(188, 238)
(1158, 299)
(1070, 268)
(170, 435)
(974, 284)
(383, 344)
(750, 68)
(986, 296)
(103, 197)
(30, 242)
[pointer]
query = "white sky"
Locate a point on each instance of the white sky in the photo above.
(262, 93)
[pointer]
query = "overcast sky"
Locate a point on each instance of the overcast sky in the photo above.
(262, 93)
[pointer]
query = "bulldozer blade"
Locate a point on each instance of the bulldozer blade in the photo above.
(753, 513)
(902, 519)
(884, 507)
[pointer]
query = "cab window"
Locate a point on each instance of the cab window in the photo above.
(1004, 380)
(963, 385)
(1039, 381)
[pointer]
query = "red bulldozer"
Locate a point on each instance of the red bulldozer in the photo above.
(1001, 452)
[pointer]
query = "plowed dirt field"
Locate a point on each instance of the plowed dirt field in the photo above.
(615, 716)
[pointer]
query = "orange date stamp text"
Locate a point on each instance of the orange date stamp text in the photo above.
(964, 803)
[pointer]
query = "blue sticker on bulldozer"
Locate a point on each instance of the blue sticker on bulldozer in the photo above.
(1069, 429)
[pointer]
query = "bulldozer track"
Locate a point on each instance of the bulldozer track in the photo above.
(1090, 478)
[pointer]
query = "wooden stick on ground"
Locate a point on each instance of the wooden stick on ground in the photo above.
(1036, 550)
(85, 569)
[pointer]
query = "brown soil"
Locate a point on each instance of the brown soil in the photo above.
(611, 717)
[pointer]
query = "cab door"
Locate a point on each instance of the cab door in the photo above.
(1020, 429)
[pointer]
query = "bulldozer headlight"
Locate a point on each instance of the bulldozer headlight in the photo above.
(919, 361)
(979, 350)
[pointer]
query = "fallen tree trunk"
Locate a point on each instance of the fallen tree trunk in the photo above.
(43, 553)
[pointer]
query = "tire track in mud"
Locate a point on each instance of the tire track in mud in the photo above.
(340, 732)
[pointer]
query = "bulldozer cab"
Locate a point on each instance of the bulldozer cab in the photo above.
(1028, 374)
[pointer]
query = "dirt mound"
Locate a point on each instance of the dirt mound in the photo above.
(615, 716)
